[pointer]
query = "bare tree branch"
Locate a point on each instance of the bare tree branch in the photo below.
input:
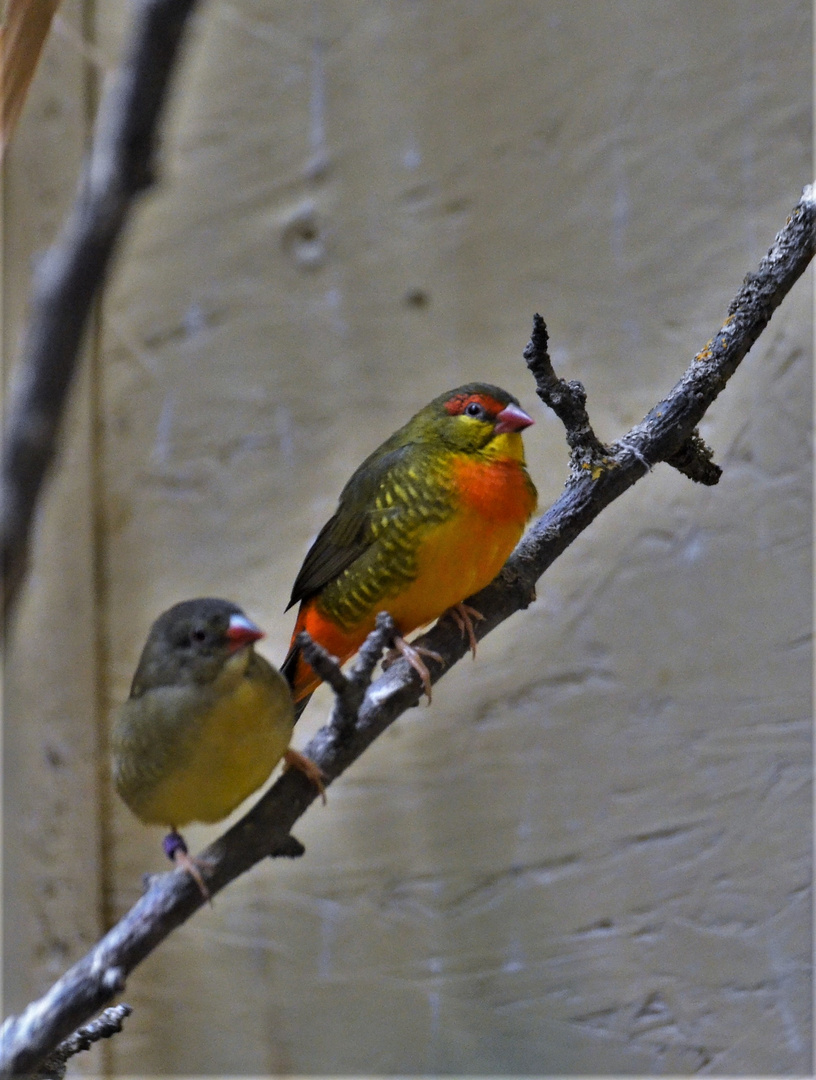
(70, 275)
(600, 475)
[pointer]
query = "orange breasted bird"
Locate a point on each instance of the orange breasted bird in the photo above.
(429, 518)
(206, 722)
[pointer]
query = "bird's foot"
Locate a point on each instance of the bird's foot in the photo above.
(176, 851)
(293, 759)
(413, 654)
(463, 615)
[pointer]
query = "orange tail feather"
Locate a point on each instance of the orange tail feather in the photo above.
(297, 672)
(340, 643)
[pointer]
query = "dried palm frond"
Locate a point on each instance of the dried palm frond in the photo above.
(22, 35)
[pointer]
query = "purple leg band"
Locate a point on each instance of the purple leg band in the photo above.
(172, 843)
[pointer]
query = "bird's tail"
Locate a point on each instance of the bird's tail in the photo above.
(341, 644)
(298, 672)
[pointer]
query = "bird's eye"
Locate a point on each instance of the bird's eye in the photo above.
(198, 635)
(474, 409)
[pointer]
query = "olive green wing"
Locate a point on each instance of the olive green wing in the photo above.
(154, 734)
(347, 535)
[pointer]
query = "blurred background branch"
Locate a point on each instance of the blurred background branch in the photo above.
(107, 1024)
(72, 272)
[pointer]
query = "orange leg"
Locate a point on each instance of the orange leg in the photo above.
(293, 759)
(463, 615)
(176, 850)
(413, 654)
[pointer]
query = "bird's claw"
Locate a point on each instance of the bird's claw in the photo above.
(293, 759)
(413, 654)
(175, 849)
(463, 615)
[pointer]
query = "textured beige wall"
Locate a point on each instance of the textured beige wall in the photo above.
(593, 853)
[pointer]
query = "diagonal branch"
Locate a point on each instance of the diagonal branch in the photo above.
(661, 436)
(71, 274)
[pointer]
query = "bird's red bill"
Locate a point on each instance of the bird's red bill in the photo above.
(512, 418)
(241, 631)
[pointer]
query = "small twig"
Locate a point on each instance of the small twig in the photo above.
(566, 399)
(371, 650)
(106, 1024)
(349, 692)
(322, 663)
(345, 714)
(288, 848)
(70, 275)
(695, 459)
